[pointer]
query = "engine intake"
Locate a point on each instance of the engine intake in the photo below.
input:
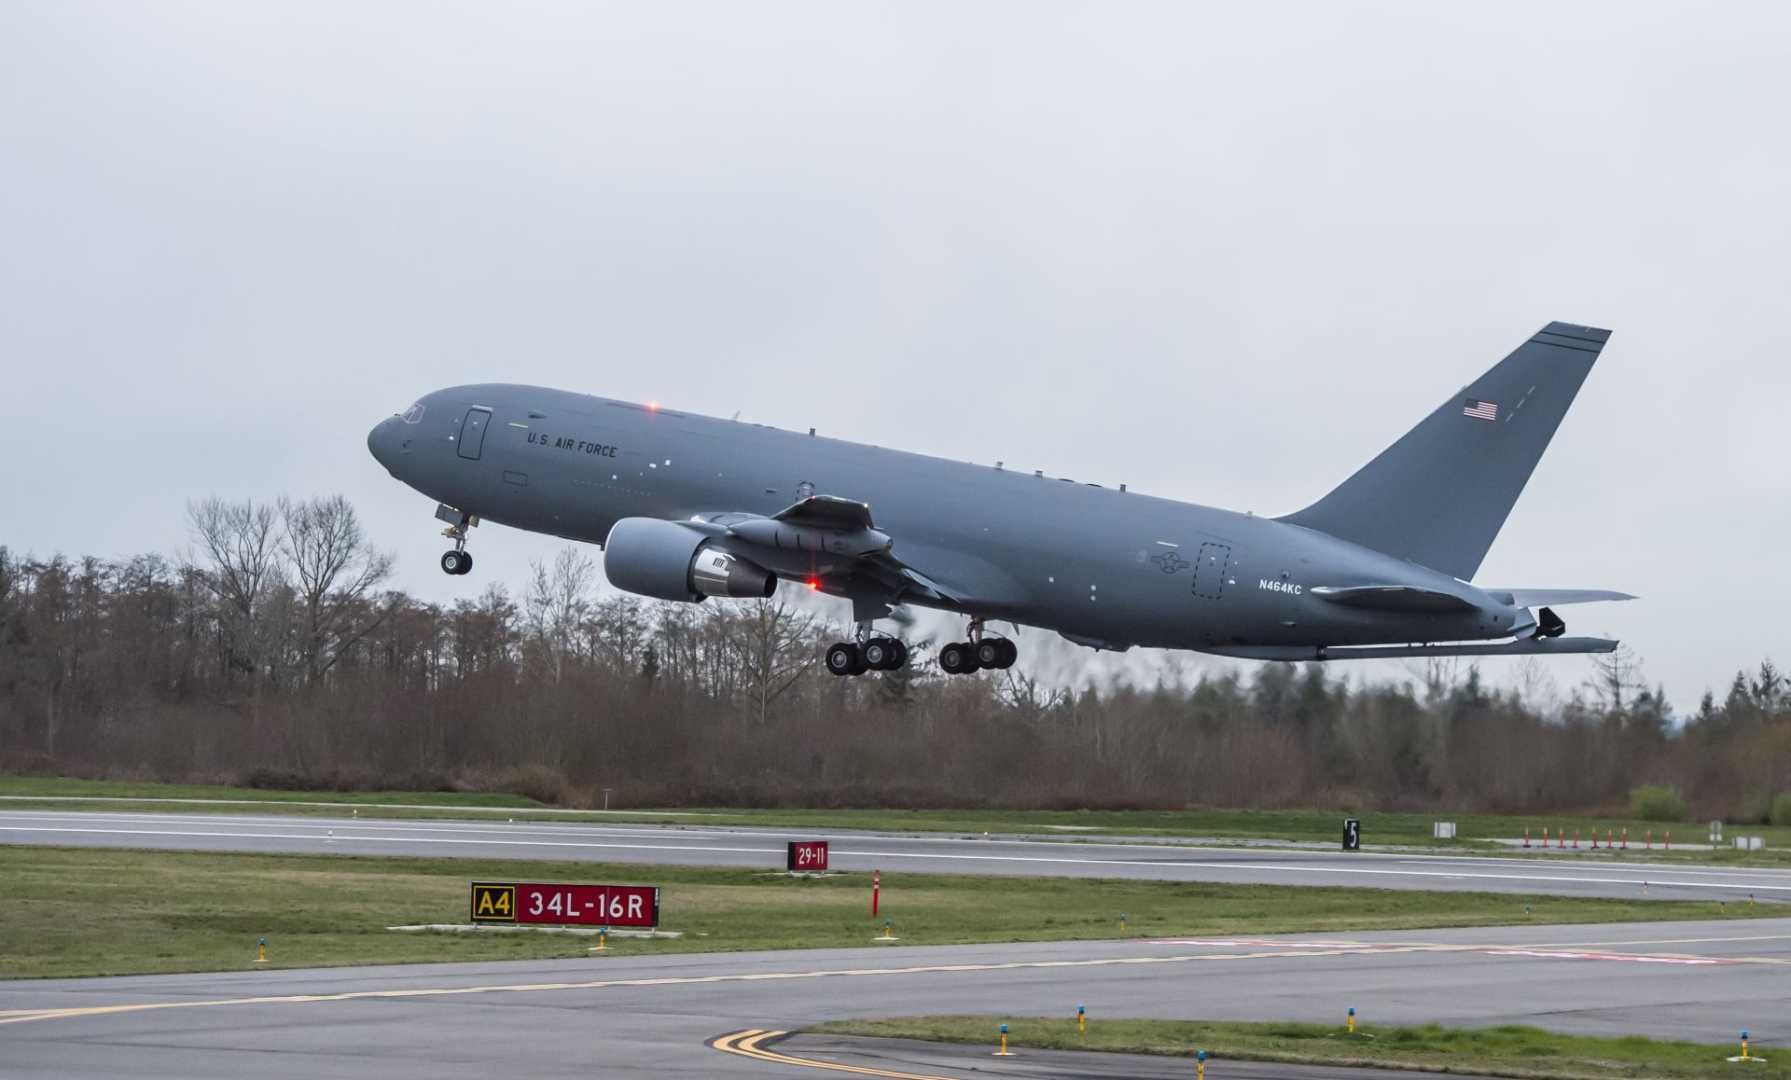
(670, 561)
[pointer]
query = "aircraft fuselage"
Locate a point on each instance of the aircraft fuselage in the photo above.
(1102, 566)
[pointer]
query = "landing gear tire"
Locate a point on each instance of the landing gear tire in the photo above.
(958, 658)
(996, 653)
(884, 654)
(844, 658)
(457, 562)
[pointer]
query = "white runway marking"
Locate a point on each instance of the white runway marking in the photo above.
(1255, 949)
(364, 834)
(1296, 948)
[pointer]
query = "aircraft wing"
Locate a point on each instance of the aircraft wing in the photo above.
(842, 528)
(1539, 597)
(885, 566)
(827, 512)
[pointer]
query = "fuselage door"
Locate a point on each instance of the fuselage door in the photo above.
(1210, 568)
(472, 432)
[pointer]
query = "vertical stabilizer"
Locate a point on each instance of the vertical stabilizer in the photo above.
(1439, 495)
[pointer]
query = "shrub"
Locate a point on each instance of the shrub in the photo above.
(1653, 802)
(1751, 807)
(1781, 808)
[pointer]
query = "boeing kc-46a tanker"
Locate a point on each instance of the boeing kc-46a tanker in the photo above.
(688, 507)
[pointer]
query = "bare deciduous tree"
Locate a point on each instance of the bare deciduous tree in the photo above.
(777, 645)
(239, 543)
(1615, 677)
(557, 603)
(335, 570)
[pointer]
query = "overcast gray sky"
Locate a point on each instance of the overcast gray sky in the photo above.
(1223, 253)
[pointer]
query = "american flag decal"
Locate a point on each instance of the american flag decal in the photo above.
(1480, 410)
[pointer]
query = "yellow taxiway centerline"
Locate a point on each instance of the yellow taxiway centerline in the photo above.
(746, 1044)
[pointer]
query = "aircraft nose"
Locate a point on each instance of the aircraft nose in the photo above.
(381, 441)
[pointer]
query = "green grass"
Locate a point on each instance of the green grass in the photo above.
(1509, 1050)
(1206, 823)
(96, 911)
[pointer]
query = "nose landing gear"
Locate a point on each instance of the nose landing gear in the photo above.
(460, 560)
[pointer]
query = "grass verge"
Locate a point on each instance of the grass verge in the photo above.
(1509, 1050)
(98, 911)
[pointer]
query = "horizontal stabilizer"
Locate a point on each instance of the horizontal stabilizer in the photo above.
(1524, 647)
(1539, 597)
(1392, 598)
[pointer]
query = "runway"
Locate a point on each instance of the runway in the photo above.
(1585, 875)
(622, 1016)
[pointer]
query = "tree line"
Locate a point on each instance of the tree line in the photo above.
(276, 654)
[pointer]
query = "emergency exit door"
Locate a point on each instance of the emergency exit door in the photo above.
(1210, 569)
(472, 432)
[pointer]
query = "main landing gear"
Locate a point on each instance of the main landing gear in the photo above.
(977, 654)
(969, 657)
(872, 654)
(460, 560)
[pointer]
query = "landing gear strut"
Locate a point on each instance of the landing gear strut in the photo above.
(980, 652)
(460, 560)
(869, 652)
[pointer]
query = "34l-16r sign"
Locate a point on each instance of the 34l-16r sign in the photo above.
(577, 905)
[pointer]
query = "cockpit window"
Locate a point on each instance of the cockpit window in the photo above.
(414, 414)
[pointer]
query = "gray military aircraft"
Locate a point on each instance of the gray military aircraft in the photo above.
(688, 507)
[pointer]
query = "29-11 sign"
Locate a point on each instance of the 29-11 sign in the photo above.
(559, 904)
(806, 855)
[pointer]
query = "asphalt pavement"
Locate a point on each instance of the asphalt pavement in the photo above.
(1575, 874)
(659, 1016)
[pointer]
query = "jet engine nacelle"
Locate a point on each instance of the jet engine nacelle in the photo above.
(669, 561)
